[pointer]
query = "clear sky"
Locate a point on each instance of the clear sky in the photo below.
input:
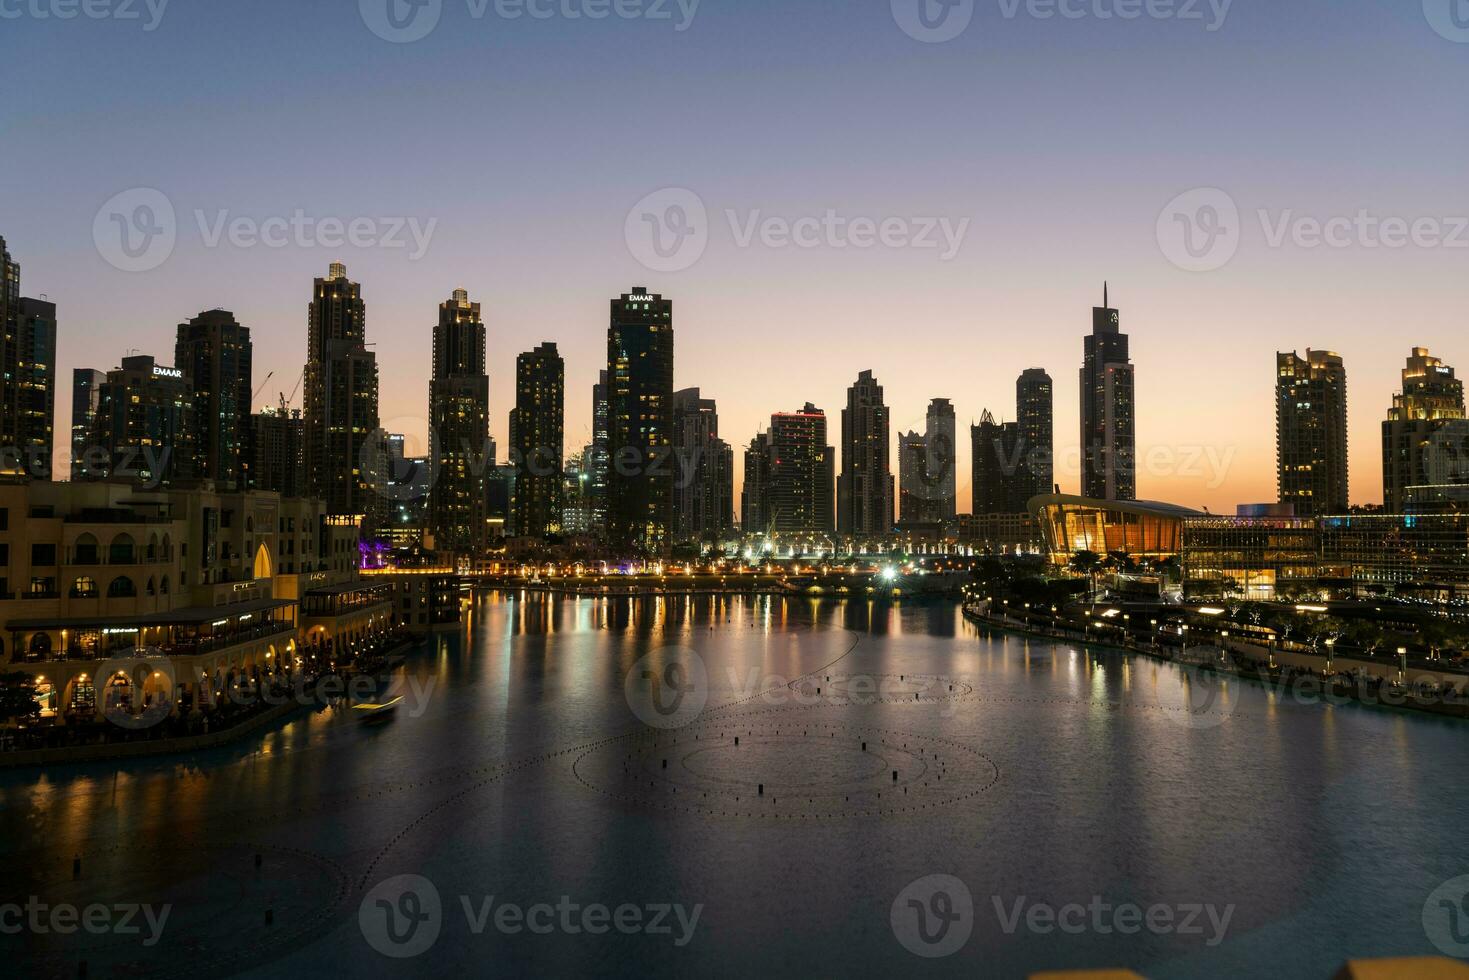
(528, 141)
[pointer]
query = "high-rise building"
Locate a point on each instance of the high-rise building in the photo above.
(1108, 434)
(914, 492)
(459, 429)
(802, 473)
(276, 461)
(640, 423)
(214, 352)
(576, 493)
(1001, 484)
(941, 445)
(86, 389)
(341, 401)
(1425, 436)
(755, 494)
(9, 324)
(1035, 416)
(703, 498)
(146, 427)
(598, 463)
(1311, 432)
(537, 438)
(865, 488)
(34, 386)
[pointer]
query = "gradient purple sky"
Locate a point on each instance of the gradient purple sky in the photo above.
(529, 141)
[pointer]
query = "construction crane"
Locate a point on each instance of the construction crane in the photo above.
(286, 401)
(261, 388)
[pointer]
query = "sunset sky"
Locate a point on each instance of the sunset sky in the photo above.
(528, 141)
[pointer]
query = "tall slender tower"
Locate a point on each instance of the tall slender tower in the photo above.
(1108, 434)
(941, 453)
(865, 488)
(703, 493)
(599, 461)
(755, 497)
(341, 401)
(640, 423)
(1034, 415)
(1311, 431)
(86, 390)
(214, 352)
(801, 473)
(459, 430)
(9, 316)
(914, 493)
(34, 386)
(537, 438)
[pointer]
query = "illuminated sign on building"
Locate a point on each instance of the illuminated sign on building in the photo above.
(163, 372)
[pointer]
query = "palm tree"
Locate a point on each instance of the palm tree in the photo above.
(1087, 563)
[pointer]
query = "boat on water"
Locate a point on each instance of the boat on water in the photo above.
(369, 711)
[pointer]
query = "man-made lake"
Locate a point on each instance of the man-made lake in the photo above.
(563, 791)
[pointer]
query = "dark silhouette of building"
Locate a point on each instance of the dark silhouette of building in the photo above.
(341, 401)
(537, 439)
(459, 429)
(146, 428)
(754, 495)
(704, 482)
(9, 352)
(914, 493)
(1035, 413)
(940, 445)
(1108, 433)
(214, 352)
(865, 487)
(86, 390)
(640, 423)
(1311, 432)
(598, 462)
(277, 462)
(1001, 485)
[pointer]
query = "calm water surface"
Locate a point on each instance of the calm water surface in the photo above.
(1032, 773)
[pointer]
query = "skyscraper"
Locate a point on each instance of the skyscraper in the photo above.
(914, 493)
(1001, 483)
(640, 422)
(459, 429)
(214, 352)
(341, 400)
(86, 389)
(1311, 431)
(537, 437)
(1108, 436)
(34, 385)
(9, 324)
(1425, 436)
(865, 488)
(1034, 414)
(703, 497)
(146, 425)
(276, 461)
(802, 472)
(598, 462)
(754, 496)
(941, 454)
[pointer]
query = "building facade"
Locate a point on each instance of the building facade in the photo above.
(914, 492)
(537, 441)
(86, 394)
(277, 464)
(600, 460)
(34, 388)
(214, 352)
(640, 423)
(799, 492)
(1108, 410)
(145, 431)
(865, 487)
(755, 494)
(1000, 485)
(704, 481)
(1425, 438)
(1311, 432)
(1035, 415)
(459, 428)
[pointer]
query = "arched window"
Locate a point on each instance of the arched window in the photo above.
(85, 550)
(84, 588)
(163, 585)
(167, 546)
(153, 547)
(121, 588)
(151, 588)
(40, 644)
(249, 524)
(121, 550)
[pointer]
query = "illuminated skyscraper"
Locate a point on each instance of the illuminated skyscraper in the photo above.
(1108, 435)
(34, 385)
(537, 438)
(214, 352)
(865, 488)
(1425, 439)
(1311, 432)
(914, 492)
(1035, 417)
(802, 471)
(598, 461)
(86, 389)
(146, 425)
(459, 429)
(341, 401)
(9, 317)
(640, 423)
